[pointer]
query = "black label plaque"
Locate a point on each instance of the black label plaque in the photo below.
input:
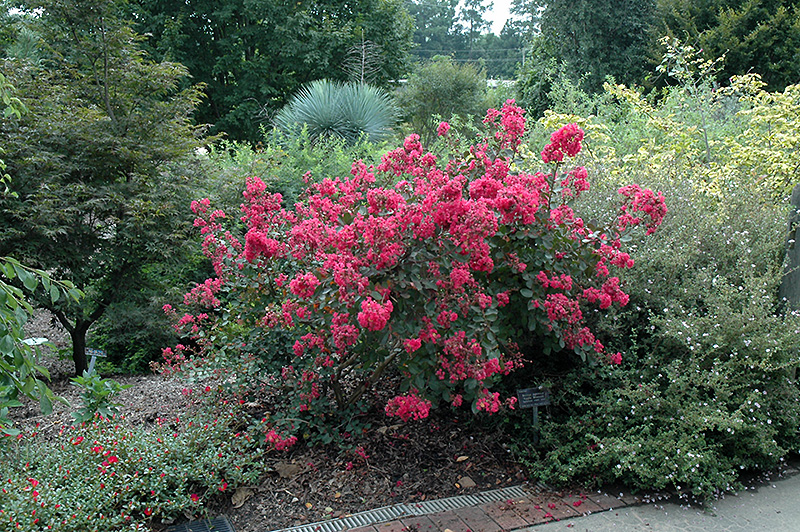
(531, 397)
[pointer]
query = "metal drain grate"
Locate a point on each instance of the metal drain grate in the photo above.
(462, 501)
(390, 513)
(218, 524)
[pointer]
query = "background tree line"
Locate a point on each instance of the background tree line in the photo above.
(120, 93)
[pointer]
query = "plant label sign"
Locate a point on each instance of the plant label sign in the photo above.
(534, 398)
(531, 397)
(94, 353)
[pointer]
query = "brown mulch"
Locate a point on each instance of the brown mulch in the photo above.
(404, 463)
(391, 463)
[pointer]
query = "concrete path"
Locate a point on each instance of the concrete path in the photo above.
(774, 506)
(771, 502)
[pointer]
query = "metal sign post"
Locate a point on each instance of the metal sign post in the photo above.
(534, 398)
(94, 353)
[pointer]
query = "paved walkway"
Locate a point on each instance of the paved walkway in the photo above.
(771, 505)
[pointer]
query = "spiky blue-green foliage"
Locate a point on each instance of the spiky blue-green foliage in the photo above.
(343, 110)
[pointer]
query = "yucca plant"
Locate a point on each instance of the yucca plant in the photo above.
(345, 110)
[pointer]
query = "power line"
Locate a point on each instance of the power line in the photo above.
(473, 49)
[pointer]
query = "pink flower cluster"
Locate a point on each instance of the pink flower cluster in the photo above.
(408, 407)
(609, 293)
(204, 295)
(374, 316)
(644, 201)
(303, 285)
(281, 443)
(564, 142)
(488, 402)
(512, 124)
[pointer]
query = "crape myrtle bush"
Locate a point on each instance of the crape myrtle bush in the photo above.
(431, 273)
(707, 386)
(104, 475)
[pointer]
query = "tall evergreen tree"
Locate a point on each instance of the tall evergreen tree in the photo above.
(501, 54)
(598, 38)
(473, 13)
(761, 36)
(436, 28)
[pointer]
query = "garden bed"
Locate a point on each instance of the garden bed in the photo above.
(391, 463)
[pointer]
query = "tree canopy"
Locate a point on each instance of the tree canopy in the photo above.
(253, 55)
(461, 30)
(598, 38)
(755, 36)
(94, 203)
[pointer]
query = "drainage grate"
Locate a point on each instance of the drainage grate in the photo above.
(390, 513)
(462, 501)
(218, 524)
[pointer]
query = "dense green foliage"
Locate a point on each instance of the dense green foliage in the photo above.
(19, 369)
(122, 478)
(707, 388)
(285, 161)
(586, 42)
(94, 201)
(761, 37)
(253, 55)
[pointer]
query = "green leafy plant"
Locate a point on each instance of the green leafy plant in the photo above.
(707, 388)
(90, 160)
(18, 368)
(439, 89)
(97, 395)
(105, 476)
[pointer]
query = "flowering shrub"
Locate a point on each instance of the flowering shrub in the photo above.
(424, 270)
(103, 476)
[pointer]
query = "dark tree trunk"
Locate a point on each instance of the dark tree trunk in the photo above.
(790, 287)
(78, 335)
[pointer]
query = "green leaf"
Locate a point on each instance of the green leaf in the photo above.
(7, 344)
(28, 279)
(8, 270)
(45, 403)
(5, 429)
(54, 294)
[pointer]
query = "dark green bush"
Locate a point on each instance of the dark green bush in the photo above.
(439, 90)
